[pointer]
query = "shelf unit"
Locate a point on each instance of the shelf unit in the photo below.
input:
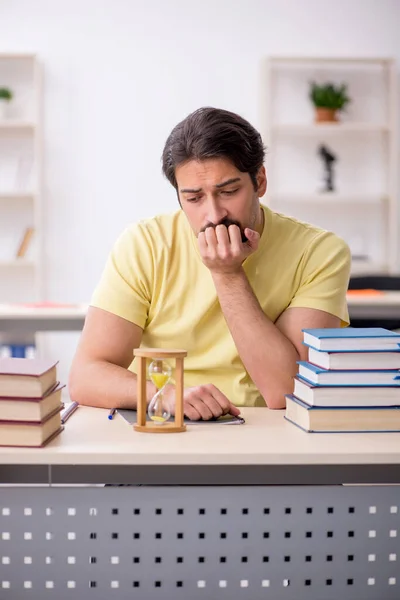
(21, 167)
(328, 128)
(364, 207)
(15, 124)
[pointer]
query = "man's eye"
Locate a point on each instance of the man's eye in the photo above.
(229, 192)
(195, 199)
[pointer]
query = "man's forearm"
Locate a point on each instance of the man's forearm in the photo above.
(105, 385)
(268, 356)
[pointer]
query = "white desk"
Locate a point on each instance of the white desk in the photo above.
(385, 306)
(208, 526)
(266, 441)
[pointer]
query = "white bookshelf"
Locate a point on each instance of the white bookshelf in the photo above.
(17, 196)
(363, 209)
(17, 263)
(13, 124)
(328, 129)
(21, 165)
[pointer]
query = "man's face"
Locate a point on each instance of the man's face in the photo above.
(214, 192)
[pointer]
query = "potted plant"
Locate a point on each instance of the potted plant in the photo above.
(328, 100)
(5, 97)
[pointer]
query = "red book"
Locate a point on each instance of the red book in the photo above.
(30, 409)
(31, 434)
(27, 377)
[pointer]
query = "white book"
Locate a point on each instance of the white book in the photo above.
(341, 396)
(354, 360)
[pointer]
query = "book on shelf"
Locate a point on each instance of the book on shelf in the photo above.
(342, 396)
(317, 419)
(365, 360)
(25, 241)
(17, 351)
(31, 433)
(319, 376)
(351, 338)
(31, 409)
(27, 377)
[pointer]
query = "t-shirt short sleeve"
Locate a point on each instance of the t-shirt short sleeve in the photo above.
(125, 286)
(325, 276)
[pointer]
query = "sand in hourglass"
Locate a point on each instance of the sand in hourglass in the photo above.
(159, 380)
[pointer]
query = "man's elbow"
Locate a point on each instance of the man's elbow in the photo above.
(275, 399)
(73, 388)
(76, 387)
(275, 403)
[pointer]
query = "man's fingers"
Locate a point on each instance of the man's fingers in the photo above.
(253, 238)
(222, 236)
(223, 401)
(191, 412)
(212, 404)
(201, 407)
(211, 238)
(235, 239)
(202, 242)
(234, 410)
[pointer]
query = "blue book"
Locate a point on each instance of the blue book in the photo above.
(320, 419)
(351, 338)
(17, 351)
(318, 376)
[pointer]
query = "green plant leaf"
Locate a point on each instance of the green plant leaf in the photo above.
(329, 95)
(6, 94)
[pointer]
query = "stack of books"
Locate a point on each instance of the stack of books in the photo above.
(350, 383)
(30, 402)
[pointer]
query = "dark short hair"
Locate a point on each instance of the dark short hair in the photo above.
(214, 133)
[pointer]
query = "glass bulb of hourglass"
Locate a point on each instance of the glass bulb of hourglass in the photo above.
(160, 374)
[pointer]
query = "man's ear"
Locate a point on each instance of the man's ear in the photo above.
(261, 182)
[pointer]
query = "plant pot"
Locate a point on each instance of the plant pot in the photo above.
(325, 115)
(3, 108)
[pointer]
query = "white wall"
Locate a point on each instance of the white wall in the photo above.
(119, 74)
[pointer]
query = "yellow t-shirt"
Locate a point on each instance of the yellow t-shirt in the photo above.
(155, 277)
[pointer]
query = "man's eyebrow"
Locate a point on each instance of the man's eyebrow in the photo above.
(218, 185)
(227, 182)
(190, 191)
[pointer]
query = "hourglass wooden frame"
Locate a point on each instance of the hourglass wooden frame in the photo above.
(142, 354)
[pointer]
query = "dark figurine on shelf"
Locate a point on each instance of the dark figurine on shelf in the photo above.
(328, 158)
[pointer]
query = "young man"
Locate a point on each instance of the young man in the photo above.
(224, 278)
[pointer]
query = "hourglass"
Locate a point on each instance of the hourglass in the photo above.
(159, 373)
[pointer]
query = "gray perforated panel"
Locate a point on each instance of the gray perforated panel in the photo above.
(200, 543)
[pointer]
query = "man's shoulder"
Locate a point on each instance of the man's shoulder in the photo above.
(291, 225)
(160, 228)
(300, 233)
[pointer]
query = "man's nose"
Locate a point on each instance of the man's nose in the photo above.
(215, 212)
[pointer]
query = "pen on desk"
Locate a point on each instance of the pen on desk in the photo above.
(111, 413)
(68, 412)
